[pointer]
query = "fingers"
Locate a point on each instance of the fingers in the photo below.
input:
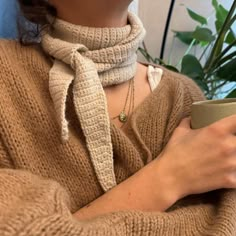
(227, 125)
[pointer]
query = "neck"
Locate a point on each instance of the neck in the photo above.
(102, 13)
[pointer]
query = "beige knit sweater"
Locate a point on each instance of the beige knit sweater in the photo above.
(86, 59)
(42, 182)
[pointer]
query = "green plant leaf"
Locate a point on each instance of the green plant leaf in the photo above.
(204, 44)
(185, 37)
(230, 38)
(146, 54)
(203, 34)
(201, 84)
(215, 4)
(192, 67)
(216, 52)
(196, 17)
(227, 71)
(218, 25)
(221, 13)
(232, 94)
(170, 67)
(158, 61)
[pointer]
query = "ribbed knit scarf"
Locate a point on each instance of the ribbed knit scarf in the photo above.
(89, 59)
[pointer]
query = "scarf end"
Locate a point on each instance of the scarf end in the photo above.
(64, 133)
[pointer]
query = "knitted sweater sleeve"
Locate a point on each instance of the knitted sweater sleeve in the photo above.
(31, 205)
(195, 93)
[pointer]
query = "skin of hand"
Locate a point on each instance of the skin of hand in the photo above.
(193, 162)
(198, 161)
(146, 191)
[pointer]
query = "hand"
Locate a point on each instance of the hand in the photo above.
(198, 161)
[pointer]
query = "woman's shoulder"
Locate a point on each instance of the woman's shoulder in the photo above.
(18, 61)
(14, 51)
(10, 48)
(177, 83)
(23, 71)
(188, 85)
(7, 43)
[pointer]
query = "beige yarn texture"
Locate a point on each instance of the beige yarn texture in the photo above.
(42, 183)
(89, 59)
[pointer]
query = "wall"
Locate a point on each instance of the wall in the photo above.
(154, 13)
(7, 18)
(134, 6)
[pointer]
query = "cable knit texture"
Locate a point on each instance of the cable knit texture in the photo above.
(43, 182)
(90, 59)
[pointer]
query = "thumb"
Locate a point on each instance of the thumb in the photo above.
(185, 123)
(183, 127)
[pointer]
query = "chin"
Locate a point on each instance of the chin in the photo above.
(128, 1)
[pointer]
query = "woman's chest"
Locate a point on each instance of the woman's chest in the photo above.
(123, 99)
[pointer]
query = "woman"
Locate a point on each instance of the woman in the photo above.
(75, 162)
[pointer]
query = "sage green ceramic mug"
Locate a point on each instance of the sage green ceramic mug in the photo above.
(207, 112)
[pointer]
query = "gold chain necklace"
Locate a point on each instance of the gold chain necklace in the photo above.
(123, 116)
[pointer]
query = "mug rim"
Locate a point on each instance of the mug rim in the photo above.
(225, 101)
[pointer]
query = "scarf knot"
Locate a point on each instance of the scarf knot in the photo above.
(90, 59)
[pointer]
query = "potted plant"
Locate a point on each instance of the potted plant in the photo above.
(219, 68)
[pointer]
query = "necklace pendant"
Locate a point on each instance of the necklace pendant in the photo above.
(123, 117)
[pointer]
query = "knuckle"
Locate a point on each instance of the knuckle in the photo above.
(226, 149)
(229, 181)
(229, 165)
(215, 130)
